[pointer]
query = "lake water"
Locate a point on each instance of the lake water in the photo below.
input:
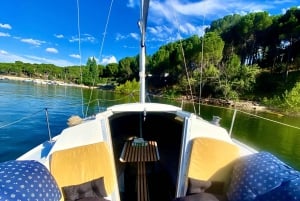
(23, 123)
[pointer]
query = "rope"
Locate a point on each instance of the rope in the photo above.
(185, 66)
(80, 55)
(201, 68)
(19, 120)
(232, 109)
(271, 120)
(163, 97)
(100, 53)
(64, 107)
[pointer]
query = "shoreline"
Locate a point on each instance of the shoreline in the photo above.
(42, 81)
(242, 105)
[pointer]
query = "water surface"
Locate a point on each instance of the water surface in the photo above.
(23, 122)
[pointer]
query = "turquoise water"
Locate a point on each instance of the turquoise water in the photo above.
(23, 122)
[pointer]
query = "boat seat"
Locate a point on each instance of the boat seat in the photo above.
(212, 160)
(78, 165)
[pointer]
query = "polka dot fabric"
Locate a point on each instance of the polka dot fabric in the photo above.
(263, 177)
(27, 180)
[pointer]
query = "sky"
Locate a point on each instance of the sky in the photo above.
(68, 32)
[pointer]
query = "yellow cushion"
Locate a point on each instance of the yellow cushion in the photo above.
(211, 159)
(82, 164)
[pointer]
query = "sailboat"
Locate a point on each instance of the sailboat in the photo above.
(146, 151)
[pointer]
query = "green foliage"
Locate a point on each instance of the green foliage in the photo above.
(291, 99)
(127, 69)
(129, 87)
(237, 79)
(212, 48)
(111, 70)
(90, 75)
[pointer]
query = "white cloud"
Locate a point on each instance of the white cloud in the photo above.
(3, 52)
(83, 38)
(120, 36)
(11, 58)
(108, 59)
(57, 62)
(130, 35)
(51, 50)
(58, 35)
(32, 41)
(4, 34)
(135, 36)
(5, 26)
(76, 56)
(131, 3)
(169, 19)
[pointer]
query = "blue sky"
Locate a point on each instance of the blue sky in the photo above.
(46, 31)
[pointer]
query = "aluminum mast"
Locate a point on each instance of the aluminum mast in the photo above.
(142, 24)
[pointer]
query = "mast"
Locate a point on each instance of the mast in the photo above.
(142, 24)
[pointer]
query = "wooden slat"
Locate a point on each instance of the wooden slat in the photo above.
(140, 154)
(142, 189)
(136, 153)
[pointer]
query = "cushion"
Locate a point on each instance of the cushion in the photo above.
(287, 191)
(211, 159)
(259, 174)
(91, 189)
(197, 197)
(27, 180)
(83, 164)
(197, 186)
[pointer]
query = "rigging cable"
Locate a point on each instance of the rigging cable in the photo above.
(100, 54)
(80, 55)
(201, 67)
(185, 66)
(21, 119)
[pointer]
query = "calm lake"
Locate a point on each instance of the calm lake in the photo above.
(23, 122)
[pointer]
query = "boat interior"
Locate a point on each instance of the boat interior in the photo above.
(164, 129)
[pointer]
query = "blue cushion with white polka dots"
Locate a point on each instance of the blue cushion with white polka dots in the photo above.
(27, 180)
(287, 191)
(262, 176)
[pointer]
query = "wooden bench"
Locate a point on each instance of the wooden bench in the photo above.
(140, 154)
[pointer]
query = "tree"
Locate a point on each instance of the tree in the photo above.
(213, 48)
(90, 74)
(237, 79)
(126, 68)
(111, 70)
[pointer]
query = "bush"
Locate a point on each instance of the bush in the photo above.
(292, 98)
(129, 87)
(289, 101)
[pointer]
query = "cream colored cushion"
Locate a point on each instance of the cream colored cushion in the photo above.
(211, 159)
(82, 164)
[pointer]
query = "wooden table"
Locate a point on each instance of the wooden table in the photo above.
(140, 153)
(146, 152)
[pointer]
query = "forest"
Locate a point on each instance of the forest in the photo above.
(251, 57)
